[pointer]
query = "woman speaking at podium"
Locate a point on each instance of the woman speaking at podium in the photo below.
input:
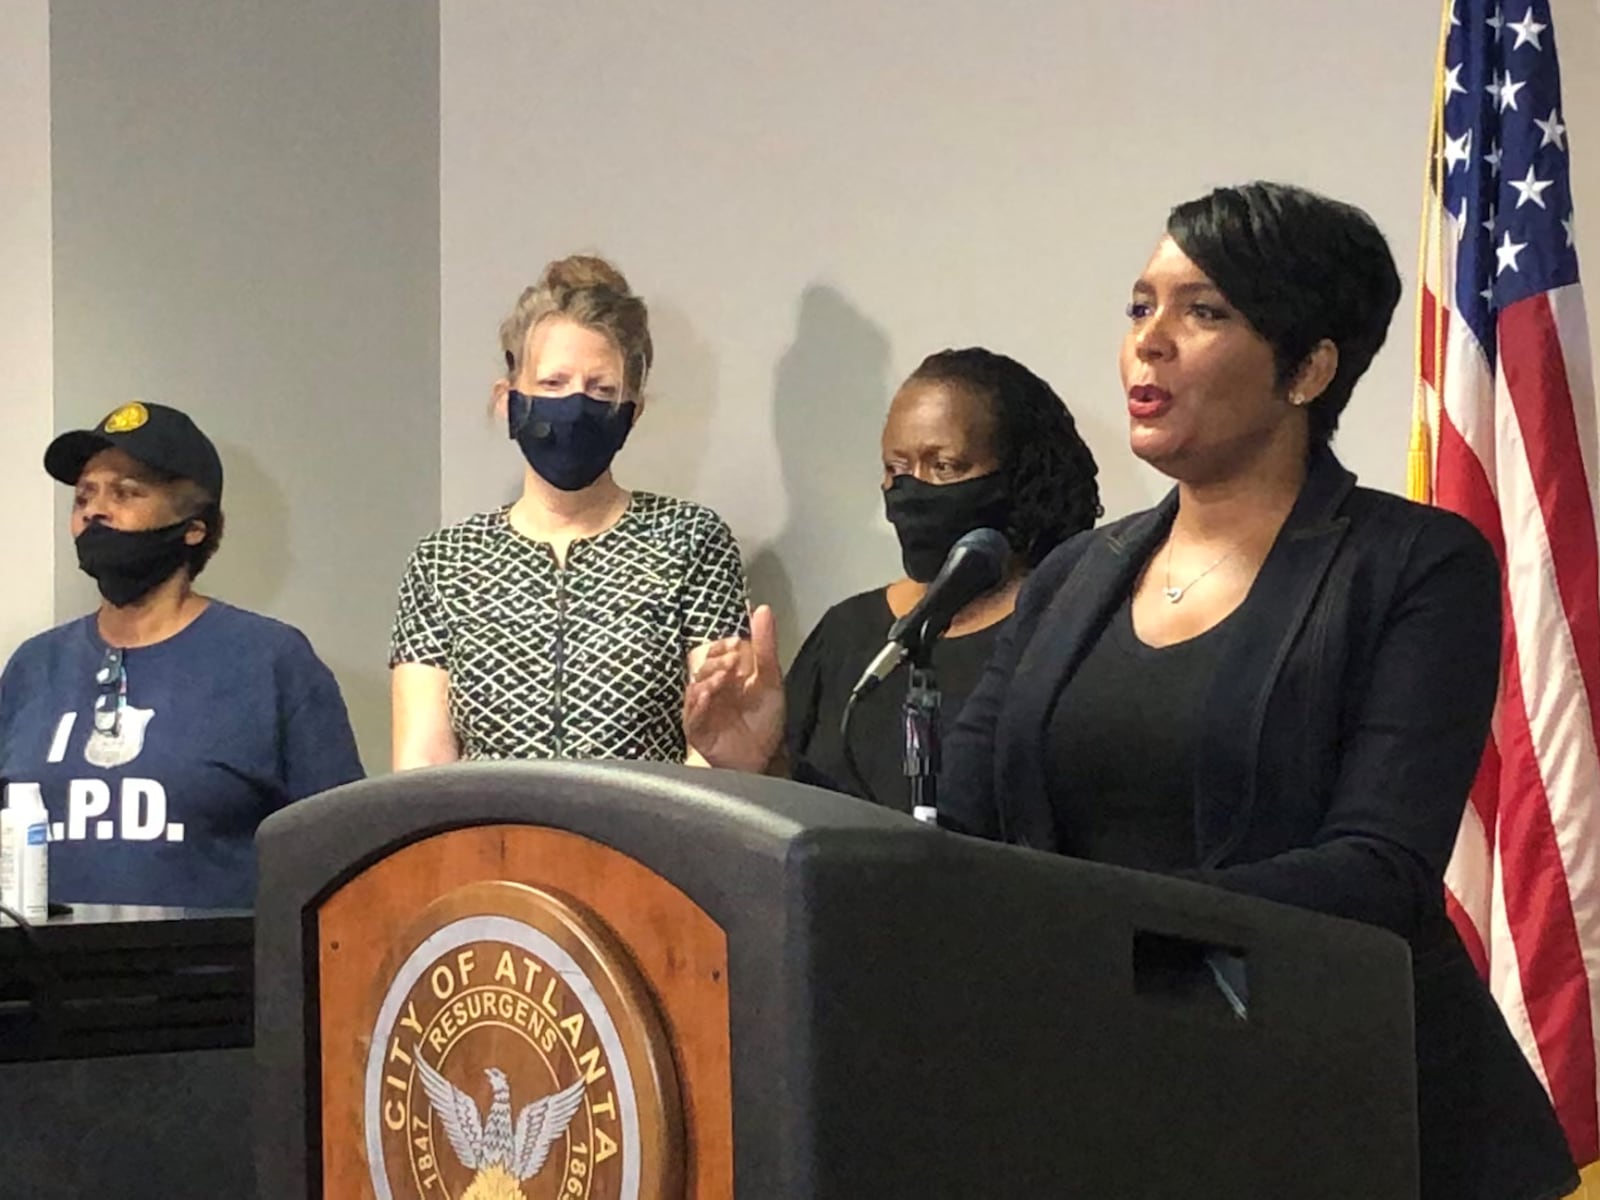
(563, 625)
(1274, 682)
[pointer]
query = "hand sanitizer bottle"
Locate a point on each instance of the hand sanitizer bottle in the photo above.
(25, 852)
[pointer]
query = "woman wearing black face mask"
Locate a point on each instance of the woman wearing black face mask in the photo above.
(973, 439)
(164, 727)
(564, 625)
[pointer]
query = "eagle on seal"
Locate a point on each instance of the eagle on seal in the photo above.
(503, 1155)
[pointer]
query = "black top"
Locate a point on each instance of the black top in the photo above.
(841, 646)
(1121, 748)
(1339, 738)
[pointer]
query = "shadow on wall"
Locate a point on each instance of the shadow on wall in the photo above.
(497, 465)
(669, 448)
(251, 570)
(254, 559)
(830, 392)
(365, 688)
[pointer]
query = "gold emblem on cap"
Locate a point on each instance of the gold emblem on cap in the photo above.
(126, 419)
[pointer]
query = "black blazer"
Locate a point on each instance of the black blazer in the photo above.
(1340, 736)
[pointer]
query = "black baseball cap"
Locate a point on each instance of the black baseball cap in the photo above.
(156, 435)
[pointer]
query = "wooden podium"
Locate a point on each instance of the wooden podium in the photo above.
(582, 980)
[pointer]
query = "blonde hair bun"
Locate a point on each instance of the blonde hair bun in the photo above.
(581, 272)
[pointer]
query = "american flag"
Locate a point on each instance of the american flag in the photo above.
(1505, 433)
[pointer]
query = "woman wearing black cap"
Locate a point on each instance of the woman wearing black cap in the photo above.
(165, 726)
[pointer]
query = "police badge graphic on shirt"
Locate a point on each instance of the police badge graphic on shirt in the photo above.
(123, 746)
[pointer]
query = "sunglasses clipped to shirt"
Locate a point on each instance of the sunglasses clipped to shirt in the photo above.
(111, 693)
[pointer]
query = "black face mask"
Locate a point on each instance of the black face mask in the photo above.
(568, 440)
(129, 564)
(929, 518)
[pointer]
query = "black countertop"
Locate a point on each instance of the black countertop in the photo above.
(118, 979)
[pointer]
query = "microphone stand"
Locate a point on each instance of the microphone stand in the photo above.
(975, 564)
(920, 722)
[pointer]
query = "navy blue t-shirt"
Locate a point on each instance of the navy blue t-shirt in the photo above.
(225, 722)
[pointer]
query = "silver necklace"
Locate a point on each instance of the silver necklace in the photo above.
(1174, 594)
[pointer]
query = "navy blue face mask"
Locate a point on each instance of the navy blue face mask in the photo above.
(569, 440)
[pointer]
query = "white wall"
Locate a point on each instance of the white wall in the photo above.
(813, 197)
(27, 531)
(246, 227)
(1577, 24)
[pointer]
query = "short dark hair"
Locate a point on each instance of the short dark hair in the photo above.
(1300, 267)
(1052, 471)
(195, 503)
(201, 554)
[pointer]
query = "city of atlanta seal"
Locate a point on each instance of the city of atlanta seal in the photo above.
(518, 1055)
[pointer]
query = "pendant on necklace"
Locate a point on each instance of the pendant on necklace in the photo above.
(1173, 594)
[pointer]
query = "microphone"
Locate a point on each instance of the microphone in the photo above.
(976, 563)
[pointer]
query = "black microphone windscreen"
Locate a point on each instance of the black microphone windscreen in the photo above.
(976, 563)
(991, 544)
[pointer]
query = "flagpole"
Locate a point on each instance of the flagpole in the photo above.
(1419, 453)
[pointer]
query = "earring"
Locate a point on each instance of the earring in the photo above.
(1298, 399)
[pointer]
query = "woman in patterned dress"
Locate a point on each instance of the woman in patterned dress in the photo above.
(563, 625)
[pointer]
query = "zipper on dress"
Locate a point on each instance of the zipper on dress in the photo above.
(557, 722)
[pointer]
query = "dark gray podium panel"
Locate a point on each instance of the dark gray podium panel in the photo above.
(916, 1014)
(162, 1126)
(125, 1067)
